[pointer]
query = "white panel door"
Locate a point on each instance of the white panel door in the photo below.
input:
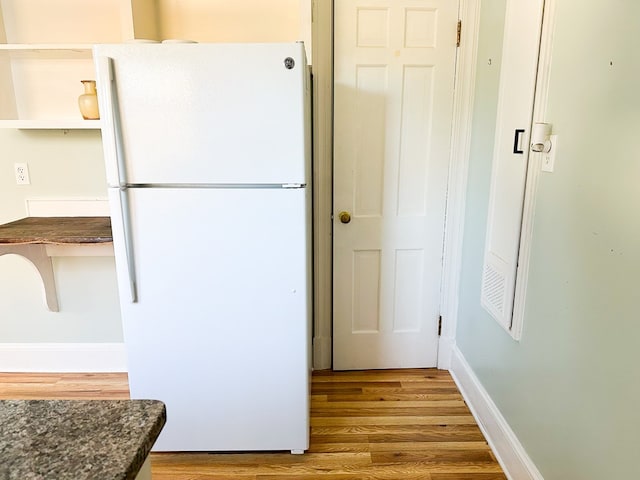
(220, 329)
(394, 74)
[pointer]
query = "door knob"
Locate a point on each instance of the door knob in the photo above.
(345, 217)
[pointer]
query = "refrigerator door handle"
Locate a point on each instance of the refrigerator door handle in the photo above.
(128, 244)
(121, 224)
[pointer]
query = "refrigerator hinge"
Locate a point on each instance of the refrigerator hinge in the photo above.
(292, 185)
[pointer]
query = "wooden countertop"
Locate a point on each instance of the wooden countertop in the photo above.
(57, 230)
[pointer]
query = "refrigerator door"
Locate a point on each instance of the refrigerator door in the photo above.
(220, 331)
(204, 113)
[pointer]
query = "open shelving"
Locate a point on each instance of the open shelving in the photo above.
(45, 51)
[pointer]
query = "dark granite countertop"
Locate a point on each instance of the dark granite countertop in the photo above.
(69, 230)
(77, 439)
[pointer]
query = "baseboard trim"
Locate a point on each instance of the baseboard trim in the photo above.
(503, 441)
(62, 357)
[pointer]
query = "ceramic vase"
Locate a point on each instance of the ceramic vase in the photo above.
(88, 101)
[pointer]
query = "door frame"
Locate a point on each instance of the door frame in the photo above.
(322, 69)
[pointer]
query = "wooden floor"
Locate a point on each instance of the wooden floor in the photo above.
(372, 425)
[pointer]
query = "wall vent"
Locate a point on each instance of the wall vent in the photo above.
(493, 286)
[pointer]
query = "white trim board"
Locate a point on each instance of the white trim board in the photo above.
(322, 182)
(322, 347)
(469, 14)
(503, 441)
(87, 250)
(62, 357)
(67, 207)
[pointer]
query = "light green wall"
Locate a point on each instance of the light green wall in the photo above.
(61, 165)
(569, 388)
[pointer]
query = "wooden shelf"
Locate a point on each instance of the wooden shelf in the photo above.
(48, 50)
(55, 124)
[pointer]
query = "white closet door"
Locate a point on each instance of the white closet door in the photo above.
(521, 45)
(394, 67)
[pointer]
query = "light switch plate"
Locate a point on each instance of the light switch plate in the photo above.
(549, 159)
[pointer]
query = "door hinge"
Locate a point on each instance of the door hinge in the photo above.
(458, 33)
(440, 325)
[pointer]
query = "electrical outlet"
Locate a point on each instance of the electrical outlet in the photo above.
(549, 159)
(22, 173)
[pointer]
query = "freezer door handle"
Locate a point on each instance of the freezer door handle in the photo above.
(108, 97)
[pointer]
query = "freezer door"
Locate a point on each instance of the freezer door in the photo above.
(205, 113)
(220, 329)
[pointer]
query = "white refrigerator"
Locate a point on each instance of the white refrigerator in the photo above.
(207, 154)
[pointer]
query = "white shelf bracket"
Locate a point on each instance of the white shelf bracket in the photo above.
(37, 255)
